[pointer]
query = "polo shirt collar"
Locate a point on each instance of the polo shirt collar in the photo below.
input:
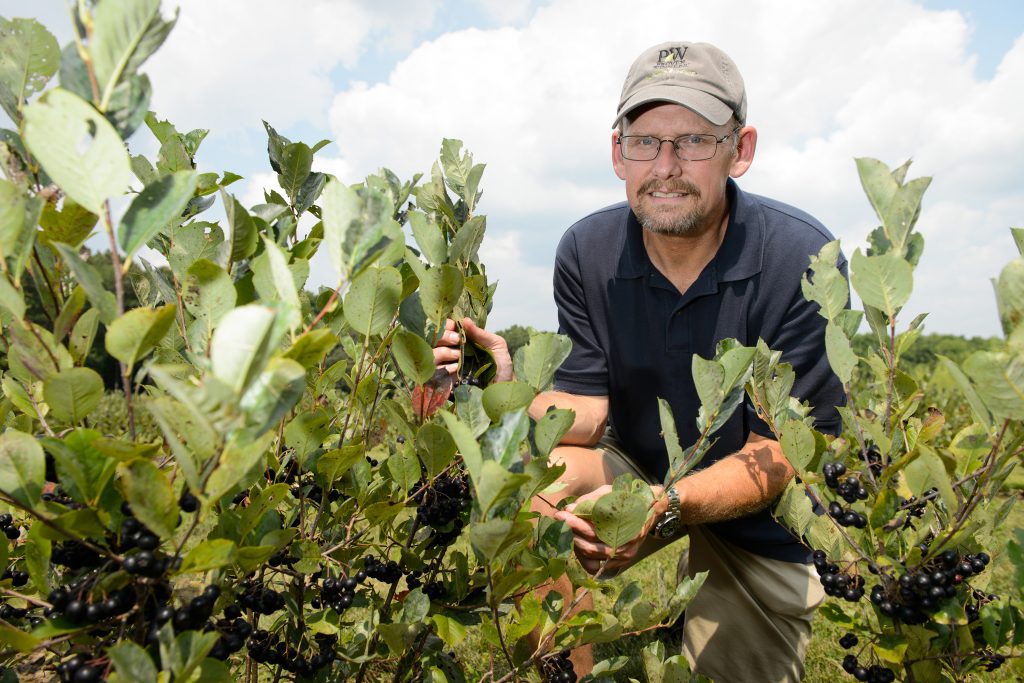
(739, 257)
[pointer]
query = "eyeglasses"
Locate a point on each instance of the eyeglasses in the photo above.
(689, 147)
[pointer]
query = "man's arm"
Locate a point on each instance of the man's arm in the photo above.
(591, 415)
(740, 484)
(736, 485)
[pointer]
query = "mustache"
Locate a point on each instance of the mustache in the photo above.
(669, 186)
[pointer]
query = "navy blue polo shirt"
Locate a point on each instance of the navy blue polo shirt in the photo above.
(634, 334)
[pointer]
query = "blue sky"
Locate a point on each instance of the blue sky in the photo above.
(531, 87)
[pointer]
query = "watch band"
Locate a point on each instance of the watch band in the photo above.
(670, 522)
(674, 506)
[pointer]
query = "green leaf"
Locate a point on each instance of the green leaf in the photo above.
(619, 516)
(72, 224)
(466, 243)
(273, 394)
(358, 230)
(208, 292)
(22, 467)
(242, 344)
(414, 356)
(209, 555)
(284, 284)
(124, 35)
(497, 484)
(137, 332)
(536, 362)
(29, 57)
(1010, 295)
(129, 104)
(83, 334)
(879, 184)
(73, 393)
(840, 353)
(998, 379)
(503, 397)
(307, 432)
(158, 204)
(435, 447)
(132, 663)
(103, 301)
(467, 443)
(295, 164)
(428, 237)
(311, 347)
(18, 639)
(890, 647)
(502, 442)
(550, 429)
(902, 211)
(978, 409)
(12, 299)
(148, 490)
(372, 300)
(709, 380)
(78, 148)
(440, 289)
(798, 444)
(883, 282)
(243, 230)
(828, 288)
(240, 461)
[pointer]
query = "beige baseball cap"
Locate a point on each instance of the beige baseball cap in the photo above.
(697, 76)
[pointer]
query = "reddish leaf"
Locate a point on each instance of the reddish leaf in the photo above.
(431, 395)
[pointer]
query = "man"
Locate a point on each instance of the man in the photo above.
(689, 259)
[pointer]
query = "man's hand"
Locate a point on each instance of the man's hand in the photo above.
(447, 353)
(596, 556)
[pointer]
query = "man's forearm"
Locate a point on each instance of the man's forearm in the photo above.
(737, 485)
(591, 415)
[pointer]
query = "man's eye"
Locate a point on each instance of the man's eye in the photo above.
(691, 140)
(646, 141)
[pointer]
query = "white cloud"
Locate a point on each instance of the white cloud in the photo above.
(827, 82)
(268, 59)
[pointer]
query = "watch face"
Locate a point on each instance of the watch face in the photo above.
(668, 527)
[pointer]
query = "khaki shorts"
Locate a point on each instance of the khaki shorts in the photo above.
(751, 620)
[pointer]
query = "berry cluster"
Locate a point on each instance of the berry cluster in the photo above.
(134, 534)
(9, 612)
(385, 572)
(18, 577)
(192, 616)
(75, 555)
(849, 489)
(837, 584)
(872, 458)
(338, 594)
(79, 669)
(73, 603)
(259, 598)
(558, 669)
(265, 648)
(7, 525)
(872, 674)
(148, 564)
(443, 501)
(846, 516)
(918, 593)
(233, 630)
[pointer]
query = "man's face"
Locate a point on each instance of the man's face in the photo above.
(669, 195)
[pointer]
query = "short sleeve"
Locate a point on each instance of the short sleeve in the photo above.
(585, 371)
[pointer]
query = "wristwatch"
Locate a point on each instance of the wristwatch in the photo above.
(671, 522)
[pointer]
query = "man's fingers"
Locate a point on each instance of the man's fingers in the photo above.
(580, 527)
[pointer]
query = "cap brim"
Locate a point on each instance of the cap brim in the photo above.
(708, 106)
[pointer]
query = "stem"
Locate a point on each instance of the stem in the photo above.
(323, 311)
(4, 497)
(115, 261)
(497, 620)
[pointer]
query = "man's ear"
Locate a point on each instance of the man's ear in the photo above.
(617, 162)
(746, 144)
